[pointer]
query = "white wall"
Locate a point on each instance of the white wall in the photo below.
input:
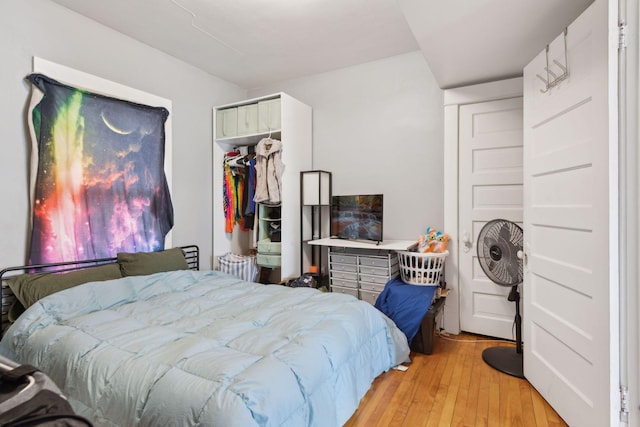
(45, 29)
(378, 127)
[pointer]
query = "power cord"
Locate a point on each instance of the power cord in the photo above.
(445, 336)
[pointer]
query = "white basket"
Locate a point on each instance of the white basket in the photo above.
(423, 269)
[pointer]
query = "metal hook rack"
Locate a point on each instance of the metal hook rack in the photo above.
(554, 79)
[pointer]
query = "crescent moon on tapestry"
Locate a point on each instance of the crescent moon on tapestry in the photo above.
(113, 127)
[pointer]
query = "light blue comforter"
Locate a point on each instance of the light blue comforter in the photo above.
(203, 348)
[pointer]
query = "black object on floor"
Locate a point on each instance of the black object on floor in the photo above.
(423, 341)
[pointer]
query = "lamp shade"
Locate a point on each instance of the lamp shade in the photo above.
(315, 187)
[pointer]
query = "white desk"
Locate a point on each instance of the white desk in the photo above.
(349, 258)
(387, 245)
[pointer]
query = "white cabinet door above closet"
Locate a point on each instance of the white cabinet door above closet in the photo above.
(227, 123)
(248, 119)
(269, 115)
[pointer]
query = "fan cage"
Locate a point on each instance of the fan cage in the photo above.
(423, 269)
(508, 237)
(500, 272)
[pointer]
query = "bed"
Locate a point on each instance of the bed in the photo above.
(189, 347)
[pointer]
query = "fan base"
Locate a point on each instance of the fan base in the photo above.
(504, 359)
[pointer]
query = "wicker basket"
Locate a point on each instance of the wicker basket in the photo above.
(423, 269)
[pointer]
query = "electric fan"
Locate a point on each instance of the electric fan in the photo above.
(499, 253)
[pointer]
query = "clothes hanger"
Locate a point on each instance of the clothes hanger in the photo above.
(237, 161)
(268, 141)
(231, 159)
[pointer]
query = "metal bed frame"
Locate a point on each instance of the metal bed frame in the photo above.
(191, 254)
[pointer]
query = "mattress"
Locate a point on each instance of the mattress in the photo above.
(204, 348)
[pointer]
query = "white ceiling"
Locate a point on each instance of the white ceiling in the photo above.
(473, 41)
(253, 43)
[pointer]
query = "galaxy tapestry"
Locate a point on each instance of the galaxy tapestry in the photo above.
(100, 186)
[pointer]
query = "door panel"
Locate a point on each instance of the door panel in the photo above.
(490, 188)
(568, 292)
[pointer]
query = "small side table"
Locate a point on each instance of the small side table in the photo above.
(423, 341)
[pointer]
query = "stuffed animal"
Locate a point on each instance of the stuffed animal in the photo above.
(433, 241)
(438, 244)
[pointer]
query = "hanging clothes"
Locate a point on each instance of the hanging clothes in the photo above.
(249, 208)
(238, 191)
(269, 168)
(229, 197)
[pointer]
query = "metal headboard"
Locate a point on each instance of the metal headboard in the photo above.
(191, 254)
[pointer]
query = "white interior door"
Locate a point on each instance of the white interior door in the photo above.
(570, 287)
(490, 168)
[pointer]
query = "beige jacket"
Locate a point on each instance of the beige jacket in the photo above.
(269, 168)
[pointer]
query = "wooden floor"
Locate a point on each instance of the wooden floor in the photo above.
(453, 387)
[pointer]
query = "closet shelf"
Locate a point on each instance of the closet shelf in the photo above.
(246, 140)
